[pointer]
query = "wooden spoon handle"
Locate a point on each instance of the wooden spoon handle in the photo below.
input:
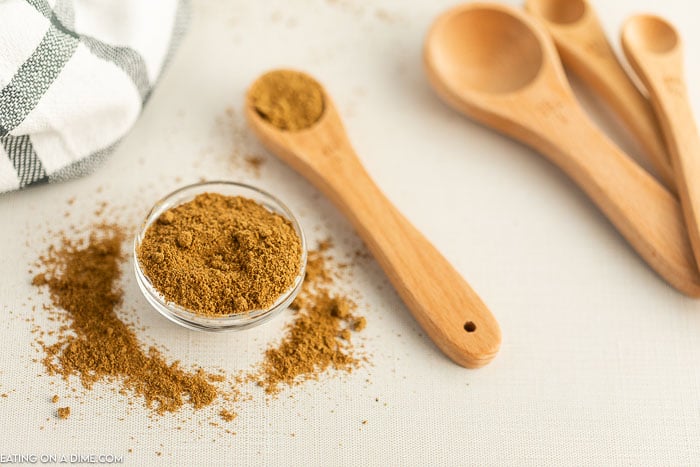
(684, 146)
(662, 74)
(584, 49)
(442, 302)
(602, 72)
(439, 298)
(643, 211)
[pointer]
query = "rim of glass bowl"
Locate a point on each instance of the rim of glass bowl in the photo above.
(187, 318)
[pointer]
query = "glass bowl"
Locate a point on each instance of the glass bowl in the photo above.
(230, 322)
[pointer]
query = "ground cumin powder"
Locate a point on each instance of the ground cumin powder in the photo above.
(94, 344)
(319, 338)
(289, 100)
(63, 412)
(220, 255)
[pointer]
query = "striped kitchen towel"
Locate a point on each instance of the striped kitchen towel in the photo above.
(74, 77)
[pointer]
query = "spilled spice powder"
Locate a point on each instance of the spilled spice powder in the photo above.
(289, 100)
(359, 324)
(319, 337)
(220, 255)
(63, 412)
(254, 163)
(94, 344)
(227, 415)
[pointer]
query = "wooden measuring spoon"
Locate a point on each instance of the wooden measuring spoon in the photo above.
(653, 48)
(499, 66)
(584, 48)
(442, 302)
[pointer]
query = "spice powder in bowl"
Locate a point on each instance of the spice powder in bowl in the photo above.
(220, 255)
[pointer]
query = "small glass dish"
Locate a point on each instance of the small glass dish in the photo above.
(230, 322)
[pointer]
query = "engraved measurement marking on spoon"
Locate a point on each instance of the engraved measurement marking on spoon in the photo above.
(674, 86)
(553, 109)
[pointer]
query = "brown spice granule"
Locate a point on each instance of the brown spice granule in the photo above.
(359, 324)
(220, 255)
(318, 338)
(95, 344)
(340, 308)
(54, 399)
(254, 163)
(63, 412)
(217, 378)
(227, 415)
(289, 100)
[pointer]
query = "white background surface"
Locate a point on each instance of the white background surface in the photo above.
(600, 360)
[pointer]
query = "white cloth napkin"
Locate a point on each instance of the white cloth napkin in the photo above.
(74, 77)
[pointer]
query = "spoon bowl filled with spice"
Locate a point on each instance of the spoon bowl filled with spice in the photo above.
(219, 256)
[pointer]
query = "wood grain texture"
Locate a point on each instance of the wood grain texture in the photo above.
(499, 66)
(655, 51)
(442, 302)
(585, 50)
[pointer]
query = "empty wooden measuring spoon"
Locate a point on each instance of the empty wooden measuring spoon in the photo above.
(584, 49)
(499, 66)
(653, 48)
(442, 302)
